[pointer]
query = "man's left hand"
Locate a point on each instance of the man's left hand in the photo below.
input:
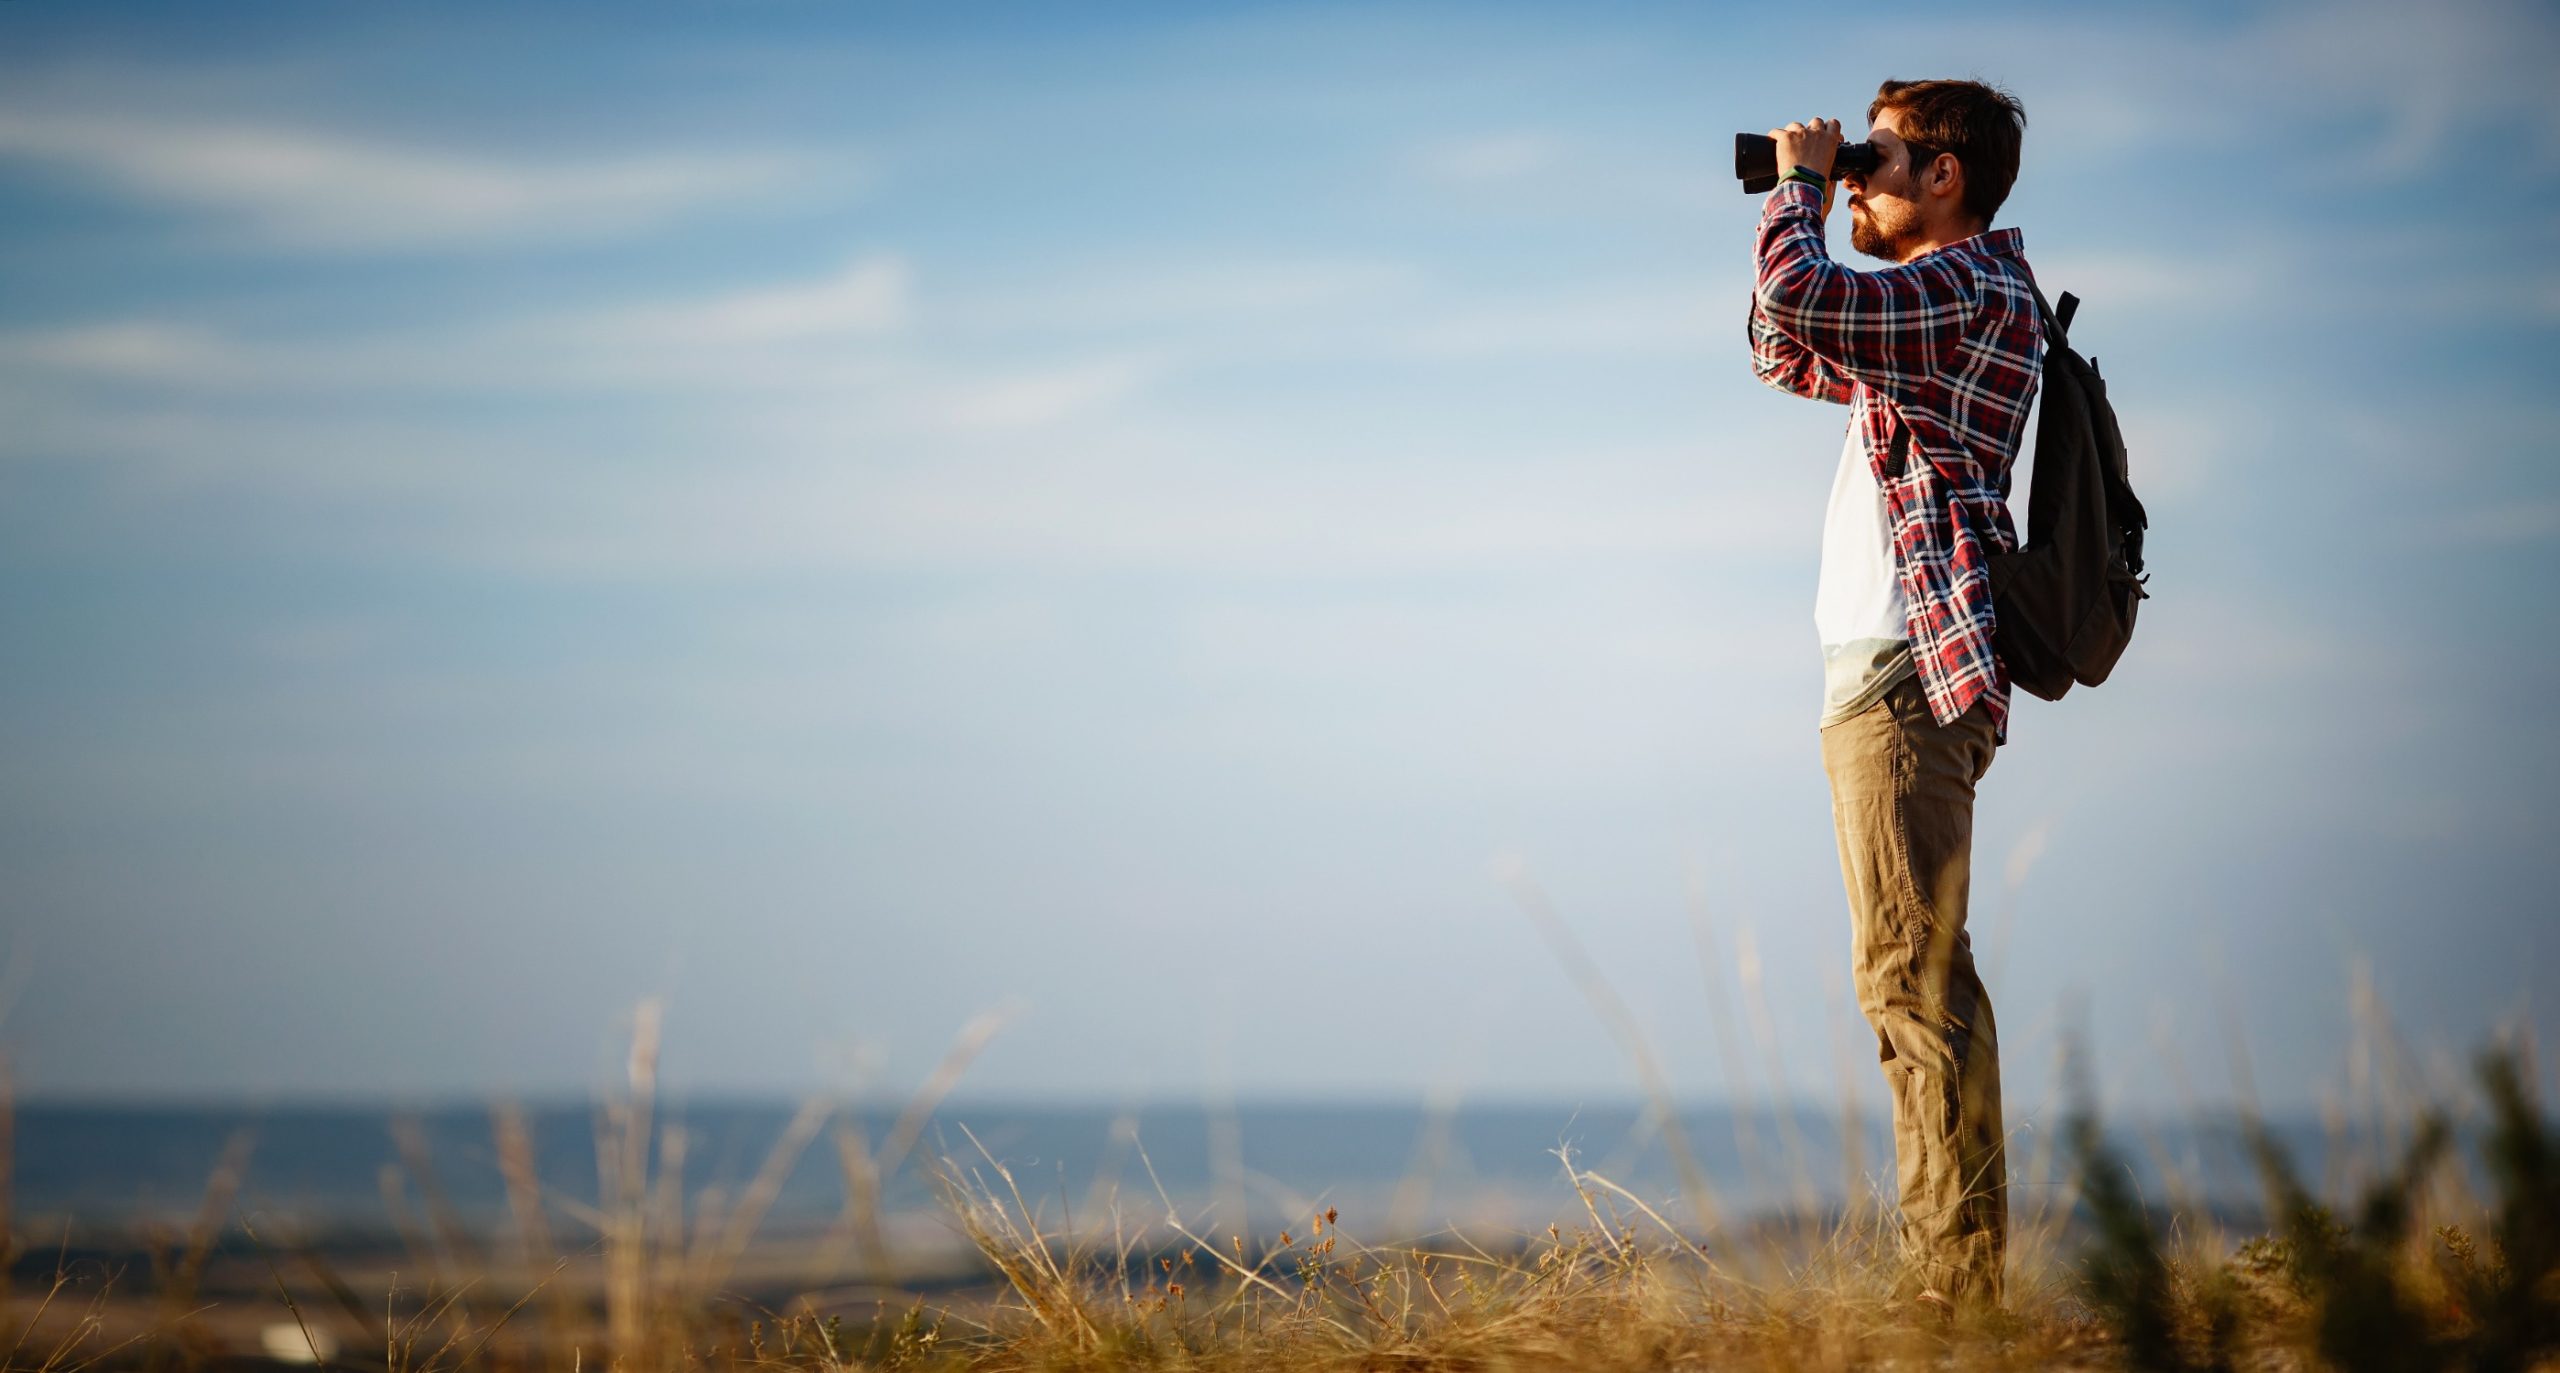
(1809, 145)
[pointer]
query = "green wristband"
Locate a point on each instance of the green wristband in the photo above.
(1807, 175)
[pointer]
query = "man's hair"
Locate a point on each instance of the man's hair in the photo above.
(1980, 124)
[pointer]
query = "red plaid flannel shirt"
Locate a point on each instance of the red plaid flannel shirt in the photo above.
(1946, 349)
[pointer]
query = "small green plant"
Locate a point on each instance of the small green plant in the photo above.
(2162, 1324)
(2517, 1298)
(2360, 1294)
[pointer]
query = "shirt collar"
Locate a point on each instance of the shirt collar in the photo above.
(1993, 242)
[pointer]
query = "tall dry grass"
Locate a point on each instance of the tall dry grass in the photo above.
(2398, 1263)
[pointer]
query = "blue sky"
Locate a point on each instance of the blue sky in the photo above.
(847, 517)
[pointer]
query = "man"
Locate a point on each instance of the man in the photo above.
(1937, 358)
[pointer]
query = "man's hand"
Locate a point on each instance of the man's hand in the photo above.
(1810, 145)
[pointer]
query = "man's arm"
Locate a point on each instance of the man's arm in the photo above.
(1893, 329)
(1790, 366)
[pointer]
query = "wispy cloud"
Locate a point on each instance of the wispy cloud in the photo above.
(2351, 91)
(2434, 72)
(2147, 282)
(867, 297)
(130, 350)
(759, 336)
(1118, 498)
(1662, 318)
(1045, 396)
(1211, 294)
(306, 188)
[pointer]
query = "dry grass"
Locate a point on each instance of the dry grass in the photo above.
(2412, 1271)
(1625, 1290)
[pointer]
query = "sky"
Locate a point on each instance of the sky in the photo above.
(1180, 526)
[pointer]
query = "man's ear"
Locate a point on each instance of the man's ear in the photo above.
(1947, 173)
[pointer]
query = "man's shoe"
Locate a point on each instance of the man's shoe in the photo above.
(1935, 1305)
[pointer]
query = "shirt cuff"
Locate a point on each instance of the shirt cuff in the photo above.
(1793, 195)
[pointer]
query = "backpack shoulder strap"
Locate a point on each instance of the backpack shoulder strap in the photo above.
(2057, 323)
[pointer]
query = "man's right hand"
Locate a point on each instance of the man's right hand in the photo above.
(1811, 145)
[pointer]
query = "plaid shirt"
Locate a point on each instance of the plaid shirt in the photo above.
(1946, 349)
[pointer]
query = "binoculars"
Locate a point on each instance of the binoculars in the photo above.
(1755, 160)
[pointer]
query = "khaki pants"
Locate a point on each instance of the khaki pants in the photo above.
(1902, 804)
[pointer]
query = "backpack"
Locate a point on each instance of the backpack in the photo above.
(2063, 603)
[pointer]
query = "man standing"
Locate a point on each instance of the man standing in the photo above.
(1937, 357)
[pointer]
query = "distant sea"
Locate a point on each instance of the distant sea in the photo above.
(343, 1168)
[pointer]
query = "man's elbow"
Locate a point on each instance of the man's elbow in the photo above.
(1795, 377)
(1770, 362)
(1776, 374)
(1776, 292)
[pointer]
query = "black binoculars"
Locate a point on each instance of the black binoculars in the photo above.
(1755, 160)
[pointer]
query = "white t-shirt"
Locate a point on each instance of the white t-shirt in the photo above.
(1858, 605)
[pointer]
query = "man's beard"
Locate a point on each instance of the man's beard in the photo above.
(1874, 235)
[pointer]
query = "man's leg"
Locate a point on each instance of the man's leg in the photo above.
(1902, 805)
